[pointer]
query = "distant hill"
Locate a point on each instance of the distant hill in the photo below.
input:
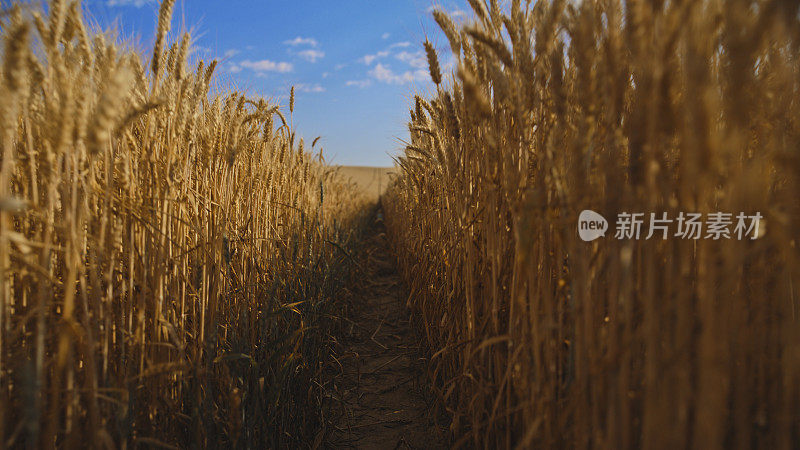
(372, 179)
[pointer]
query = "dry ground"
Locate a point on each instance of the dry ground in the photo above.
(381, 398)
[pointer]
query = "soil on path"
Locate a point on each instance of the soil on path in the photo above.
(381, 398)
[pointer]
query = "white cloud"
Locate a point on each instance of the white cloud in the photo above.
(416, 60)
(340, 66)
(385, 36)
(455, 13)
(301, 41)
(310, 88)
(262, 67)
(311, 55)
(325, 74)
(369, 59)
(136, 3)
(359, 83)
(231, 53)
(384, 74)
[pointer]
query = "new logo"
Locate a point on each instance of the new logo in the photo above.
(591, 225)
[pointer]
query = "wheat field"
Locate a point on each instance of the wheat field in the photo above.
(373, 181)
(179, 269)
(541, 340)
(169, 249)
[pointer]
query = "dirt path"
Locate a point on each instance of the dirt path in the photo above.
(381, 395)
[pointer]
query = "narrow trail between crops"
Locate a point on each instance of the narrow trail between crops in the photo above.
(382, 399)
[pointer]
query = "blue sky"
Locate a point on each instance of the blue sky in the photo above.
(355, 64)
